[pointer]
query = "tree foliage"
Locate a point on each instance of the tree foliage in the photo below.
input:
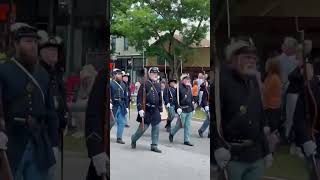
(143, 20)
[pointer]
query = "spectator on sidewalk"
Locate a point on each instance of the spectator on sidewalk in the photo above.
(195, 92)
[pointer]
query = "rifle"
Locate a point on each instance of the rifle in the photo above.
(144, 97)
(5, 169)
(178, 101)
(106, 128)
(309, 94)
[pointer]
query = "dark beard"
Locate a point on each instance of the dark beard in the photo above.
(27, 59)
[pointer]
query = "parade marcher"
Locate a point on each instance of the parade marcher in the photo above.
(49, 49)
(31, 122)
(170, 101)
(302, 125)
(125, 79)
(241, 147)
(153, 109)
(119, 100)
(205, 87)
(97, 129)
(185, 109)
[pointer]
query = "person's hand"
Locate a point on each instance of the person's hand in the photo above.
(56, 153)
(3, 141)
(179, 111)
(141, 113)
(310, 148)
(161, 114)
(110, 106)
(268, 160)
(222, 156)
(99, 163)
(206, 108)
(127, 110)
(168, 105)
(266, 130)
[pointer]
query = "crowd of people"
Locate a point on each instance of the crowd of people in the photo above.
(158, 100)
(257, 116)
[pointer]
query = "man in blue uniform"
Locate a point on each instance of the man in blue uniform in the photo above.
(153, 108)
(185, 109)
(205, 87)
(97, 129)
(126, 81)
(170, 101)
(119, 100)
(27, 108)
(48, 50)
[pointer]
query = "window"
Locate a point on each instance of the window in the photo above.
(125, 44)
(113, 43)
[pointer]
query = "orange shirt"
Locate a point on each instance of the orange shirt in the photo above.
(272, 92)
(195, 90)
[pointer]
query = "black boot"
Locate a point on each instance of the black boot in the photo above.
(170, 137)
(188, 144)
(200, 133)
(133, 145)
(119, 140)
(154, 148)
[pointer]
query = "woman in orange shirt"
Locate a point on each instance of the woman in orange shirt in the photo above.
(272, 99)
(195, 92)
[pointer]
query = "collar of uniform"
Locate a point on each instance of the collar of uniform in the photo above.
(46, 66)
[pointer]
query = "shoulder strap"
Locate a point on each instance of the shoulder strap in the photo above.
(30, 76)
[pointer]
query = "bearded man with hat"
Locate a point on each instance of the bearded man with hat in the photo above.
(241, 147)
(119, 98)
(152, 111)
(30, 134)
(126, 81)
(185, 109)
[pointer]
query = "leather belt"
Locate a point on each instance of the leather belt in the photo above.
(151, 105)
(30, 121)
(241, 143)
(184, 107)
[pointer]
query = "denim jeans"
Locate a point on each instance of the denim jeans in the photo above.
(28, 169)
(205, 124)
(154, 133)
(245, 171)
(121, 122)
(186, 121)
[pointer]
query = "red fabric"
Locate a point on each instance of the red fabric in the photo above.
(70, 85)
(4, 9)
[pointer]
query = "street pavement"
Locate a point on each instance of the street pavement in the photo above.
(176, 161)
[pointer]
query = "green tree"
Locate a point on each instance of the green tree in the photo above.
(142, 20)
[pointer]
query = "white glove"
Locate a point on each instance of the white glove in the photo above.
(168, 105)
(206, 108)
(110, 106)
(222, 157)
(127, 110)
(194, 111)
(100, 162)
(56, 153)
(309, 148)
(179, 111)
(266, 130)
(202, 109)
(141, 113)
(268, 160)
(160, 113)
(3, 141)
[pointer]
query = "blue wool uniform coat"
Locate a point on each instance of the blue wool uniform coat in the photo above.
(20, 99)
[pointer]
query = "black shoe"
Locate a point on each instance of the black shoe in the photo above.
(170, 137)
(133, 145)
(127, 126)
(200, 133)
(119, 140)
(154, 148)
(188, 144)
